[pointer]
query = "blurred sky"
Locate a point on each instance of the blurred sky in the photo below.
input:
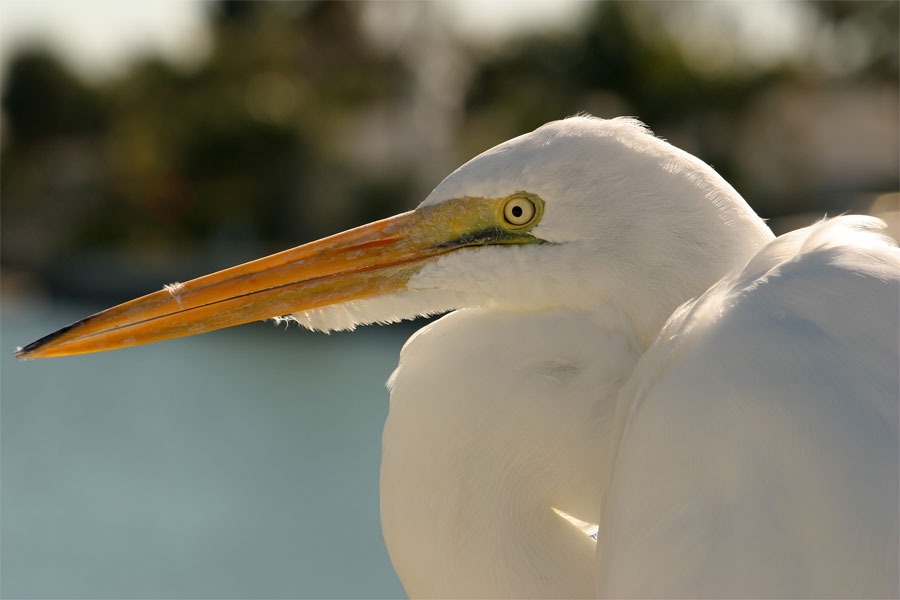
(99, 37)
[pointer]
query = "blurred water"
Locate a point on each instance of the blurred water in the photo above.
(241, 463)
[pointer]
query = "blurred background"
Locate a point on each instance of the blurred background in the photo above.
(145, 143)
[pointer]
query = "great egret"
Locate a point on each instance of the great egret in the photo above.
(632, 357)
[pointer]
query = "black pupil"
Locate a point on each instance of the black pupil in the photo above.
(517, 211)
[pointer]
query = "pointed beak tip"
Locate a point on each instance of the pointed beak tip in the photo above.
(22, 353)
(42, 348)
(30, 351)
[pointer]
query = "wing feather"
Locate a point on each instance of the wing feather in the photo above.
(758, 438)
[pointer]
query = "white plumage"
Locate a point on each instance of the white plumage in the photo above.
(642, 355)
(754, 451)
(756, 441)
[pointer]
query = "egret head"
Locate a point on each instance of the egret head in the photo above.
(610, 214)
(577, 213)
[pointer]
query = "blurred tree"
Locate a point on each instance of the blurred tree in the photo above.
(623, 59)
(42, 99)
(301, 122)
(165, 159)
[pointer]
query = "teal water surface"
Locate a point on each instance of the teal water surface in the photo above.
(237, 464)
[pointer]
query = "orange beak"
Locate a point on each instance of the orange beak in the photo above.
(374, 259)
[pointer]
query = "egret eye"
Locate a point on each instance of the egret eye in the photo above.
(519, 211)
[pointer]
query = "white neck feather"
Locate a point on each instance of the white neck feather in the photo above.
(472, 467)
